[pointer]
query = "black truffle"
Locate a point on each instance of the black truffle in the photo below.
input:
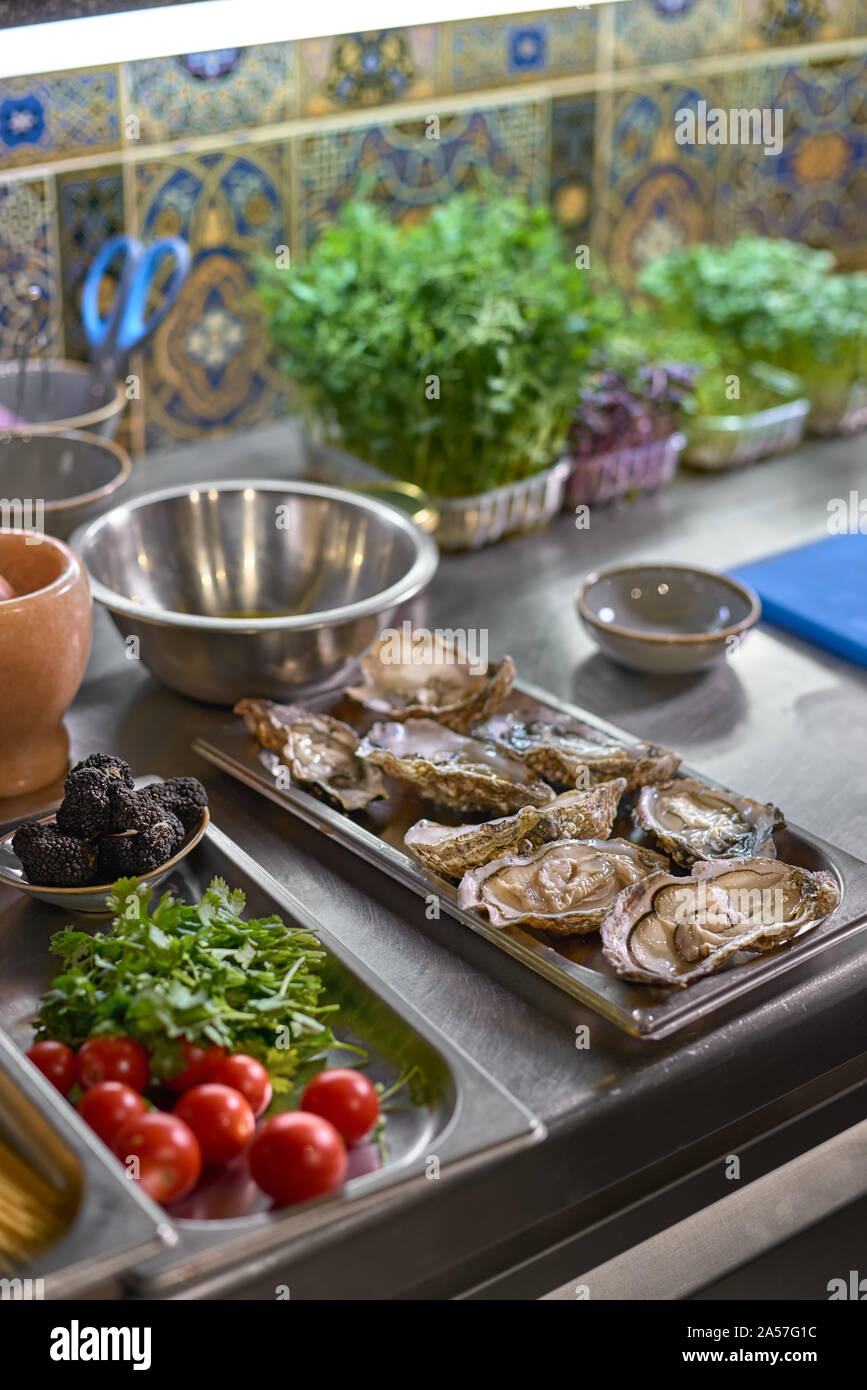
(84, 811)
(53, 860)
(185, 796)
(107, 764)
(132, 810)
(140, 852)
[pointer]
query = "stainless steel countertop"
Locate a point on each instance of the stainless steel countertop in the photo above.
(782, 721)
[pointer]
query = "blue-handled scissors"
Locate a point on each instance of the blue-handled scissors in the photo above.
(127, 324)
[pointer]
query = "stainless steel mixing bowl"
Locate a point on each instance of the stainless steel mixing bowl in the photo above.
(58, 481)
(256, 588)
(48, 395)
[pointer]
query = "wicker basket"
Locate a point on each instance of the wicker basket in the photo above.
(602, 477)
(730, 441)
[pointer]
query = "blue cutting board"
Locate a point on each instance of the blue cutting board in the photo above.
(818, 591)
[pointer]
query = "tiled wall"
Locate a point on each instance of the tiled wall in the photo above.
(244, 150)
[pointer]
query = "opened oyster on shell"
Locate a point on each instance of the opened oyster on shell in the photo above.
(566, 888)
(577, 815)
(451, 769)
(413, 677)
(671, 931)
(691, 821)
(577, 754)
(319, 751)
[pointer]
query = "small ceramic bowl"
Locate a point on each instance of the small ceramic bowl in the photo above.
(666, 619)
(95, 898)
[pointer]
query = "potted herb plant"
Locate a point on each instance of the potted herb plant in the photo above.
(777, 302)
(446, 354)
(624, 435)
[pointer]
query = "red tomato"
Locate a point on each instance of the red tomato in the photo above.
(220, 1118)
(199, 1061)
(295, 1156)
(344, 1097)
(169, 1158)
(246, 1075)
(112, 1059)
(107, 1106)
(56, 1061)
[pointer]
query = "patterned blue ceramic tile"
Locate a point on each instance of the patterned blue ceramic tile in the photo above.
(209, 92)
(497, 52)
(572, 139)
(815, 190)
(413, 172)
(90, 210)
(58, 115)
(668, 31)
(661, 194)
(373, 68)
(28, 325)
(209, 368)
(766, 23)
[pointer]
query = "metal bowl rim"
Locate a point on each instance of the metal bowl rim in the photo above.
(84, 499)
(419, 574)
(74, 422)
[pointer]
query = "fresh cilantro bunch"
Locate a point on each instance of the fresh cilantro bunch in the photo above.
(196, 972)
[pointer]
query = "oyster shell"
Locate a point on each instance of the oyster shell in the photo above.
(577, 754)
(566, 888)
(672, 931)
(452, 769)
(576, 815)
(428, 677)
(693, 821)
(319, 751)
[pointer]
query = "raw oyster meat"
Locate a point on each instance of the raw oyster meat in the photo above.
(427, 676)
(566, 888)
(319, 751)
(671, 931)
(576, 815)
(577, 754)
(450, 769)
(693, 821)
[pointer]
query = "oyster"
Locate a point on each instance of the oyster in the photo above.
(566, 887)
(451, 769)
(694, 821)
(320, 752)
(577, 754)
(430, 677)
(670, 930)
(576, 815)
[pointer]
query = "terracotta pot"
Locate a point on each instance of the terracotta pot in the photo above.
(44, 645)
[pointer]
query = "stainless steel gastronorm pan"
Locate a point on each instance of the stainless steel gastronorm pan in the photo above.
(111, 1224)
(575, 964)
(465, 1112)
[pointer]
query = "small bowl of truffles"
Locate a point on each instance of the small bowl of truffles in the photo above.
(105, 828)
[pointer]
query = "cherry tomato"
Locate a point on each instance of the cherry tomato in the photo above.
(199, 1061)
(56, 1061)
(344, 1097)
(107, 1106)
(220, 1118)
(112, 1059)
(295, 1156)
(169, 1160)
(246, 1075)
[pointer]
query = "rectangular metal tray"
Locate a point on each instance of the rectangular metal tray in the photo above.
(574, 964)
(467, 1114)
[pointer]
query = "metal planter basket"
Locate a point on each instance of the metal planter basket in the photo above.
(468, 523)
(639, 468)
(730, 441)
